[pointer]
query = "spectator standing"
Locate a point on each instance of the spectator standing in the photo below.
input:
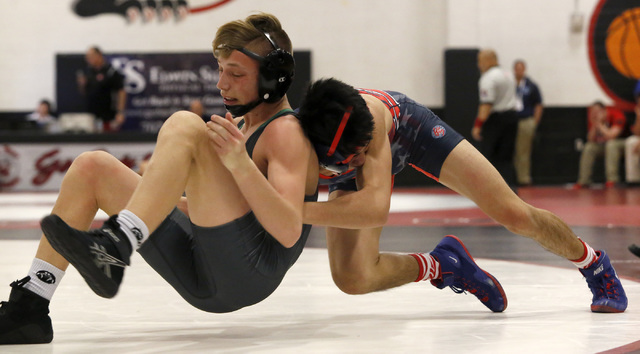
(529, 111)
(496, 124)
(197, 107)
(103, 88)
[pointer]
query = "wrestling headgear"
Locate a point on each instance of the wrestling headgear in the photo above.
(276, 74)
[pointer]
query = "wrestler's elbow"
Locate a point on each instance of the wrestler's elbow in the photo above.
(378, 215)
(380, 218)
(288, 238)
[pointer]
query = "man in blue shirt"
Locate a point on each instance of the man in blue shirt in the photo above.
(529, 110)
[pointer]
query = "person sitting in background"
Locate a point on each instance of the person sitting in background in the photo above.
(632, 149)
(604, 127)
(43, 117)
(197, 107)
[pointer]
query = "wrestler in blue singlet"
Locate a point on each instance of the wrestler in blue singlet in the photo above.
(418, 138)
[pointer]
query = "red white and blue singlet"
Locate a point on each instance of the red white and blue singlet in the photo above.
(418, 138)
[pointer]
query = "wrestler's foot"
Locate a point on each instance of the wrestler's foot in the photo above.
(608, 294)
(99, 255)
(24, 319)
(461, 273)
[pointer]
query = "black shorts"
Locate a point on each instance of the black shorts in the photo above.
(222, 268)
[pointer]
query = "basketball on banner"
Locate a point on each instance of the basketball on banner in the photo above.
(614, 49)
(623, 43)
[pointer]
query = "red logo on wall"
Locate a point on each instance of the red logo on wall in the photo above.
(9, 167)
(145, 10)
(614, 48)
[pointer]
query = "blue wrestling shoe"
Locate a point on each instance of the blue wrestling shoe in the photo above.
(461, 273)
(608, 294)
(99, 255)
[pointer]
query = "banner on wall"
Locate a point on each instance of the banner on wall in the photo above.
(614, 49)
(41, 167)
(157, 85)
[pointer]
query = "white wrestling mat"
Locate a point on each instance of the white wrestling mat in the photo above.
(31, 207)
(308, 314)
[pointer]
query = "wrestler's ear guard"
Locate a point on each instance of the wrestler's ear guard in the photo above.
(276, 71)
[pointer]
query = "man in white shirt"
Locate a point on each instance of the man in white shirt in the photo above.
(496, 124)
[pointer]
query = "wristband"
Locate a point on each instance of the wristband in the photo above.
(478, 123)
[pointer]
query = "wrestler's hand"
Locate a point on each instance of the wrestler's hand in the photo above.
(228, 142)
(476, 133)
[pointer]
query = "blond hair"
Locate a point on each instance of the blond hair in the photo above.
(249, 34)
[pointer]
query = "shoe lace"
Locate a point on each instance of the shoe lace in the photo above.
(20, 283)
(463, 285)
(605, 286)
(6, 305)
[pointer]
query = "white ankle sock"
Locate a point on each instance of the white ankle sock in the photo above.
(44, 278)
(135, 229)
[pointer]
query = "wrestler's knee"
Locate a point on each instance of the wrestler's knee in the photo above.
(352, 281)
(184, 125)
(92, 164)
(519, 217)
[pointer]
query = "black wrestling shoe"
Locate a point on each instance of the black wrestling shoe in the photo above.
(24, 319)
(99, 255)
(633, 248)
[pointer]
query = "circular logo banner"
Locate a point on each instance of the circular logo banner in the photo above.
(614, 48)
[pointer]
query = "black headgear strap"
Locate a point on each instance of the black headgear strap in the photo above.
(267, 66)
(328, 156)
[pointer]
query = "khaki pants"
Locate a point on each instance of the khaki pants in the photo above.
(612, 151)
(522, 154)
(631, 160)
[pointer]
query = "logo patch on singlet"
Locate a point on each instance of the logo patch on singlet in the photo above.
(46, 277)
(438, 132)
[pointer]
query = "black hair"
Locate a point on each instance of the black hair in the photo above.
(47, 103)
(322, 110)
(96, 49)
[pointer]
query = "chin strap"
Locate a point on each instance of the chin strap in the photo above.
(242, 109)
